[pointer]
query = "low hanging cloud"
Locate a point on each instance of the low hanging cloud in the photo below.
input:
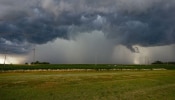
(146, 23)
(91, 47)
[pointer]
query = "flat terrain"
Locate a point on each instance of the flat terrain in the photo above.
(88, 85)
(11, 67)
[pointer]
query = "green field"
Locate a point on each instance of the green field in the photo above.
(88, 85)
(84, 66)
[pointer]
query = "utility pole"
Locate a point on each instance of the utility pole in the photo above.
(33, 55)
(145, 60)
(5, 56)
(95, 60)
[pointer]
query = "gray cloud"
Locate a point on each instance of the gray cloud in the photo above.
(85, 48)
(137, 22)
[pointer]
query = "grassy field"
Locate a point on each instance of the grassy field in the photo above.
(84, 66)
(88, 85)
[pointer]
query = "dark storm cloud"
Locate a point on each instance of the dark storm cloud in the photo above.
(136, 22)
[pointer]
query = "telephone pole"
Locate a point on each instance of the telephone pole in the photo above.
(96, 57)
(5, 57)
(33, 55)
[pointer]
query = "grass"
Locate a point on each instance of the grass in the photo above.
(83, 66)
(91, 85)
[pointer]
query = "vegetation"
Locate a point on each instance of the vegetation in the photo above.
(160, 62)
(91, 85)
(157, 62)
(85, 66)
(37, 62)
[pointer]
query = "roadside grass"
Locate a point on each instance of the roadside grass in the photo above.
(92, 85)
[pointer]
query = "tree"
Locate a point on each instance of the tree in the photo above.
(157, 62)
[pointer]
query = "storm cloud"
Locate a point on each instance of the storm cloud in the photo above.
(146, 23)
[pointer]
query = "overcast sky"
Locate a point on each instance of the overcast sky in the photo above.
(87, 31)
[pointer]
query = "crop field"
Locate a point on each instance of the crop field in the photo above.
(84, 67)
(88, 85)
